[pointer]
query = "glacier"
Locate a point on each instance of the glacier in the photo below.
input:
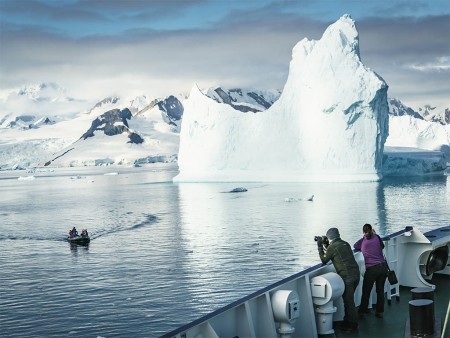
(329, 124)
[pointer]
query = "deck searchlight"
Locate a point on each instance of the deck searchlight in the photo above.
(324, 290)
(286, 309)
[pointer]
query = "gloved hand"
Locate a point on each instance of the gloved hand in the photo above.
(319, 242)
(326, 242)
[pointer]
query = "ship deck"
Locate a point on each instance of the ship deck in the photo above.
(395, 322)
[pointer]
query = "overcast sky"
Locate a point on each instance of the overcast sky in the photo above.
(97, 48)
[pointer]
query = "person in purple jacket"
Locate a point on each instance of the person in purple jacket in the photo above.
(372, 247)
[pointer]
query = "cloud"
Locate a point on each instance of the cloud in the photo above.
(241, 47)
(441, 64)
(397, 47)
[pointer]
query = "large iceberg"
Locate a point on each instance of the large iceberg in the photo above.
(329, 124)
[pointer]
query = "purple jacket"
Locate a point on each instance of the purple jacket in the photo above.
(372, 250)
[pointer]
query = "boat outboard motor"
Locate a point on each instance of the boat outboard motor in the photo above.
(325, 289)
(437, 260)
(286, 309)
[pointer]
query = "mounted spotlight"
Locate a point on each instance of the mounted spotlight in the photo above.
(437, 260)
(324, 290)
(286, 310)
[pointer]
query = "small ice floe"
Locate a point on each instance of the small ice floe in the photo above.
(292, 199)
(26, 178)
(240, 189)
(112, 174)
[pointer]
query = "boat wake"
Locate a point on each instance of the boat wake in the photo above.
(148, 220)
(7, 237)
(94, 232)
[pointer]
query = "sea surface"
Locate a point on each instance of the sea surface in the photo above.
(163, 254)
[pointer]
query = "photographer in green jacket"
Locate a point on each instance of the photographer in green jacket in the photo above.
(341, 254)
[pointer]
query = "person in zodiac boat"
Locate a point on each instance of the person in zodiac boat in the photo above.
(82, 239)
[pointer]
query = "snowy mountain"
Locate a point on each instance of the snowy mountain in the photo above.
(44, 92)
(32, 106)
(397, 108)
(24, 122)
(113, 130)
(104, 104)
(435, 114)
(120, 137)
(330, 122)
(171, 108)
(244, 100)
(429, 113)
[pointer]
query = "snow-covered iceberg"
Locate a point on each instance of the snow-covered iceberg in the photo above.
(330, 122)
(407, 161)
(407, 131)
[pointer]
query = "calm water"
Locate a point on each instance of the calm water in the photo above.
(163, 254)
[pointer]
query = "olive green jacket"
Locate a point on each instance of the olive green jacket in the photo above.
(341, 254)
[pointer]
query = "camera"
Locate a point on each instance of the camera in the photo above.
(324, 239)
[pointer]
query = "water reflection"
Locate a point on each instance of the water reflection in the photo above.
(381, 210)
(75, 248)
(226, 228)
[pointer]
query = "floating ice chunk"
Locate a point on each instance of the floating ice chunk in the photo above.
(26, 178)
(292, 199)
(240, 189)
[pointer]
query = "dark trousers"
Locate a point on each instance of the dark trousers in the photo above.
(374, 274)
(351, 315)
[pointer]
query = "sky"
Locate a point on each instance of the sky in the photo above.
(99, 48)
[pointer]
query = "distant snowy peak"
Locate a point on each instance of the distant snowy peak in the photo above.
(30, 122)
(171, 106)
(112, 100)
(443, 118)
(24, 122)
(170, 110)
(428, 112)
(397, 108)
(244, 100)
(435, 114)
(50, 92)
(111, 123)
